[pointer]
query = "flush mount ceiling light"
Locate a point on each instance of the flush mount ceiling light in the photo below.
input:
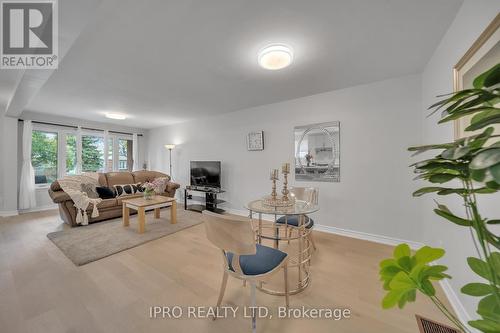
(114, 115)
(274, 57)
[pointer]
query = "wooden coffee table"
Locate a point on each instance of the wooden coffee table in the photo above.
(141, 204)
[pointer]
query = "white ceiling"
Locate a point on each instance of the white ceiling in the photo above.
(163, 62)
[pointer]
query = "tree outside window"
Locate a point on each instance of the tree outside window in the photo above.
(71, 154)
(92, 153)
(44, 156)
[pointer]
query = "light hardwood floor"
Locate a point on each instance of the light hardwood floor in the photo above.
(42, 291)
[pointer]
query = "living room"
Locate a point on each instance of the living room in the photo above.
(290, 136)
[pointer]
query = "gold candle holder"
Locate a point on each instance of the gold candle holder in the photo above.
(274, 177)
(285, 169)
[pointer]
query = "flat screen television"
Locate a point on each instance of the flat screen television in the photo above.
(205, 174)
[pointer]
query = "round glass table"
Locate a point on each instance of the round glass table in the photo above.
(292, 239)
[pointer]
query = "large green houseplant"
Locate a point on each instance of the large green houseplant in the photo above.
(474, 163)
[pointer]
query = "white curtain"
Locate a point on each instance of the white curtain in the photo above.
(27, 197)
(106, 151)
(79, 151)
(135, 152)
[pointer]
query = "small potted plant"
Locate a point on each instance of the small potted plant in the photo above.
(149, 190)
(153, 188)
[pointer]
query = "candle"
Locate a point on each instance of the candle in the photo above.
(285, 168)
(274, 174)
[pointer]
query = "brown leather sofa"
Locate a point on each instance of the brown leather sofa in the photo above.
(108, 208)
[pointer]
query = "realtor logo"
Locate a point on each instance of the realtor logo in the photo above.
(29, 34)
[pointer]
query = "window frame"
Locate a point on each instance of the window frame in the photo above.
(61, 162)
(61, 146)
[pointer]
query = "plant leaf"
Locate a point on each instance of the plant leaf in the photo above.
(495, 172)
(402, 250)
(402, 282)
(428, 288)
(483, 120)
(489, 308)
(465, 112)
(387, 262)
(435, 271)
(485, 159)
(452, 218)
(485, 326)
(392, 298)
(455, 153)
(488, 78)
(427, 254)
(479, 267)
(405, 263)
(441, 178)
(425, 190)
(476, 289)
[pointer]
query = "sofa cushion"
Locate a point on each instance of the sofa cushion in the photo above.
(102, 180)
(90, 189)
(105, 192)
(119, 178)
(147, 176)
(106, 203)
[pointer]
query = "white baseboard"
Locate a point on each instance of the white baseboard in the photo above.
(367, 236)
(7, 213)
(346, 232)
(457, 306)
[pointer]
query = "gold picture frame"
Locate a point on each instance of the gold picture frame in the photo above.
(473, 63)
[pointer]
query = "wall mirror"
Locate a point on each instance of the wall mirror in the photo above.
(317, 152)
(481, 56)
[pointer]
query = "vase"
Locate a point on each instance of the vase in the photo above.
(148, 195)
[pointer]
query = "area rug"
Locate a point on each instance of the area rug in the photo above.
(85, 244)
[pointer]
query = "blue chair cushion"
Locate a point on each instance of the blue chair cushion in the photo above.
(265, 260)
(293, 220)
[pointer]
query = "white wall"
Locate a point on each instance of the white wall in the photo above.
(8, 165)
(437, 78)
(378, 121)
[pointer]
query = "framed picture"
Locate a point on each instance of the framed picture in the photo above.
(317, 152)
(480, 57)
(255, 140)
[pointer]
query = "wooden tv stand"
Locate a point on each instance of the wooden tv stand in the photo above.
(207, 202)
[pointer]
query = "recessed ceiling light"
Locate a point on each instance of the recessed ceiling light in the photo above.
(275, 57)
(114, 115)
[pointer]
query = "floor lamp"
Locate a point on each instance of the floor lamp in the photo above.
(170, 147)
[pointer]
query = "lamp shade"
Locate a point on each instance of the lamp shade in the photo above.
(169, 147)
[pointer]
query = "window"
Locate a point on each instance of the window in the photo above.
(71, 154)
(54, 152)
(92, 153)
(44, 150)
(124, 154)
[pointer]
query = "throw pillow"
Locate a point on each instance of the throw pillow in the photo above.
(163, 183)
(90, 189)
(105, 192)
(139, 187)
(126, 189)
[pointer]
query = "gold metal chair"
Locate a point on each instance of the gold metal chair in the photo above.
(242, 257)
(309, 195)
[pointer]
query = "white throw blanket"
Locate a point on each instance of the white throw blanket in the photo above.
(72, 185)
